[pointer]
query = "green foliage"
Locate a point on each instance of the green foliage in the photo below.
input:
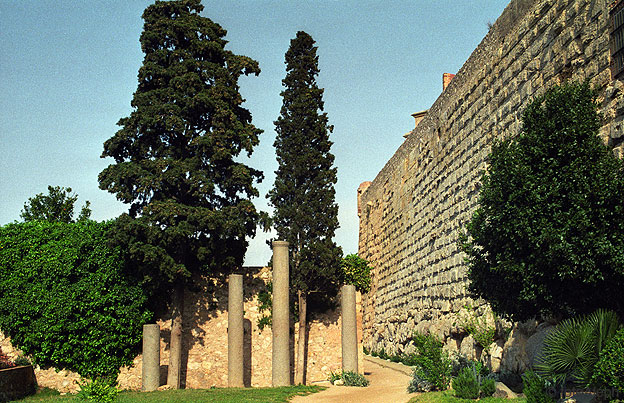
(97, 391)
(303, 195)
(572, 349)
(21, 361)
(466, 384)
(432, 365)
(473, 382)
(265, 304)
(176, 155)
(65, 297)
(356, 271)
(609, 370)
(477, 325)
(349, 378)
(537, 389)
(57, 205)
(548, 235)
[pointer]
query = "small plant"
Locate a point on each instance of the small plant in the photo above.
(573, 348)
(537, 389)
(265, 300)
(356, 271)
(609, 370)
(348, 378)
(473, 382)
(432, 364)
(22, 361)
(97, 390)
(477, 326)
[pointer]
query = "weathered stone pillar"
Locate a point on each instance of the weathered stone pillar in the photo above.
(281, 320)
(349, 329)
(235, 331)
(151, 358)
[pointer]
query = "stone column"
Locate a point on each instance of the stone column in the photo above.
(349, 329)
(281, 320)
(151, 358)
(235, 331)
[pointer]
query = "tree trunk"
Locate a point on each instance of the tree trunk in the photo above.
(175, 357)
(300, 369)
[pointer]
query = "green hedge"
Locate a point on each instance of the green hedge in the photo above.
(65, 300)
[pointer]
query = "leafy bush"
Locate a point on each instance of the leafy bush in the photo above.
(466, 384)
(349, 378)
(432, 364)
(548, 235)
(472, 382)
(488, 387)
(572, 349)
(609, 370)
(22, 360)
(65, 299)
(537, 389)
(356, 271)
(98, 391)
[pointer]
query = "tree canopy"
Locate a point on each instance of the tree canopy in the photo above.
(56, 206)
(303, 195)
(175, 155)
(548, 235)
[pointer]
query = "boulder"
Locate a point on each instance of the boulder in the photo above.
(515, 358)
(468, 348)
(502, 391)
(536, 342)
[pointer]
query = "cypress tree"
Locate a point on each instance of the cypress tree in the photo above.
(303, 196)
(175, 157)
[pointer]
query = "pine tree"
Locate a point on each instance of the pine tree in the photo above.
(306, 214)
(175, 157)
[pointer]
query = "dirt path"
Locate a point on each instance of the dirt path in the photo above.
(388, 384)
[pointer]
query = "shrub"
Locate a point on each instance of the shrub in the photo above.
(22, 360)
(65, 299)
(472, 382)
(356, 271)
(466, 384)
(349, 378)
(572, 349)
(537, 389)
(432, 364)
(488, 387)
(98, 391)
(548, 235)
(609, 370)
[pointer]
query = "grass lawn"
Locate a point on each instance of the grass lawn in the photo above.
(227, 395)
(448, 396)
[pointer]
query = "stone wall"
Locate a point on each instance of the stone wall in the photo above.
(417, 205)
(205, 343)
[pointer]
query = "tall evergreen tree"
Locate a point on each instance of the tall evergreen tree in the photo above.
(306, 214)
(175, 157)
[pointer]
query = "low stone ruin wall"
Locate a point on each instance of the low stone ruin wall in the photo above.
(205, 343)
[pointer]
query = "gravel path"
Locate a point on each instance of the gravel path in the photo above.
(388, 384)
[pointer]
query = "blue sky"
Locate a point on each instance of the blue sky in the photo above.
(68, 70)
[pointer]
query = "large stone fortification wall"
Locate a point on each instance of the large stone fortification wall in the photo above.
(205, 354)
(417, 205)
